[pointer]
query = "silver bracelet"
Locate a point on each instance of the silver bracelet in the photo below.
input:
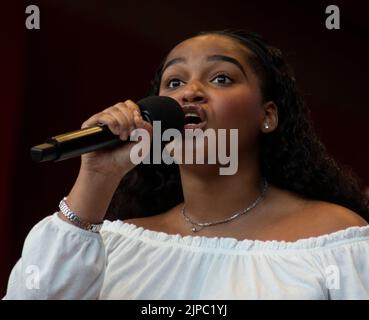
(72, 217)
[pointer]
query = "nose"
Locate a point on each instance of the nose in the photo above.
(193, 92)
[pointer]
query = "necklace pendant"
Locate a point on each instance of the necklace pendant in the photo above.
(194, 229)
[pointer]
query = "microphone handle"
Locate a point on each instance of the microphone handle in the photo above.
(75, 143)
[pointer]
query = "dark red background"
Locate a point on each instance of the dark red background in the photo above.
(91, 54)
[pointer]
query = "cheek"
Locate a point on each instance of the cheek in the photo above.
(241, 110)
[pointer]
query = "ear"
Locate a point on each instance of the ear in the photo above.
(269, 121)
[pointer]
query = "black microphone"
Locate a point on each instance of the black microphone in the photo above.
(75, 143)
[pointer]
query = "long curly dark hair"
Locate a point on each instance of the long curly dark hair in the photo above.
(292, 156)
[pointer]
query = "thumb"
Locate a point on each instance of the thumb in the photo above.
(142, 124)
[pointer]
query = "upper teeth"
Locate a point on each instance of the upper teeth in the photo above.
(191, 115)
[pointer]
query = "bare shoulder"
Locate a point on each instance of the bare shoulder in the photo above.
(320, 218)
(335, 216)
(304, 218)
(142, 222)
(156, 223)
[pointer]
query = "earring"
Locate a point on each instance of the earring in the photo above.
(266, 126)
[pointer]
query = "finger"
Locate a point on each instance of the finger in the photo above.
(103, 118)
(92, 121)
(127, 108)
(141, 123)
(132, 106)
(120, 112)
(125, 120)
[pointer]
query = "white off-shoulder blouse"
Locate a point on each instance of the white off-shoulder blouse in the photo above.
(61, 261)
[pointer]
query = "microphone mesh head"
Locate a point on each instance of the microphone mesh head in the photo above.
(164, 109)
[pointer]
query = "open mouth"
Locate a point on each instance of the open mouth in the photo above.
(195, 117)
(192, 118)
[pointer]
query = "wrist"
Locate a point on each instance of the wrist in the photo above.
(75, 219)
(91, 195)
(100, 177)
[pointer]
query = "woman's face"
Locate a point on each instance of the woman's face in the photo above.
(212, 72)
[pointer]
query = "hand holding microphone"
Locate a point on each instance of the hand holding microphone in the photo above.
(105, 150)
(120, 119)
(103, 139)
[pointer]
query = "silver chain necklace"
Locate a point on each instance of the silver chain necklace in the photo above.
(198, 226)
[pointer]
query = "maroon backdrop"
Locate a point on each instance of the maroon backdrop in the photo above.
(90, 54)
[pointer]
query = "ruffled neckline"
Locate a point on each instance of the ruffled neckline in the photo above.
(132, 231)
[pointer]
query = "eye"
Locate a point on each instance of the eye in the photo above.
(222, 79)
(174, 83)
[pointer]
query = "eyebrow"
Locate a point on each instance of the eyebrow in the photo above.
(216, 57)
(219, 57)
(173, 61)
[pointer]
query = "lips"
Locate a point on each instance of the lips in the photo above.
(195, 117)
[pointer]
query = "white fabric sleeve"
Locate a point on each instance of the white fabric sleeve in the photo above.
(59, 261)
(347, 271)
